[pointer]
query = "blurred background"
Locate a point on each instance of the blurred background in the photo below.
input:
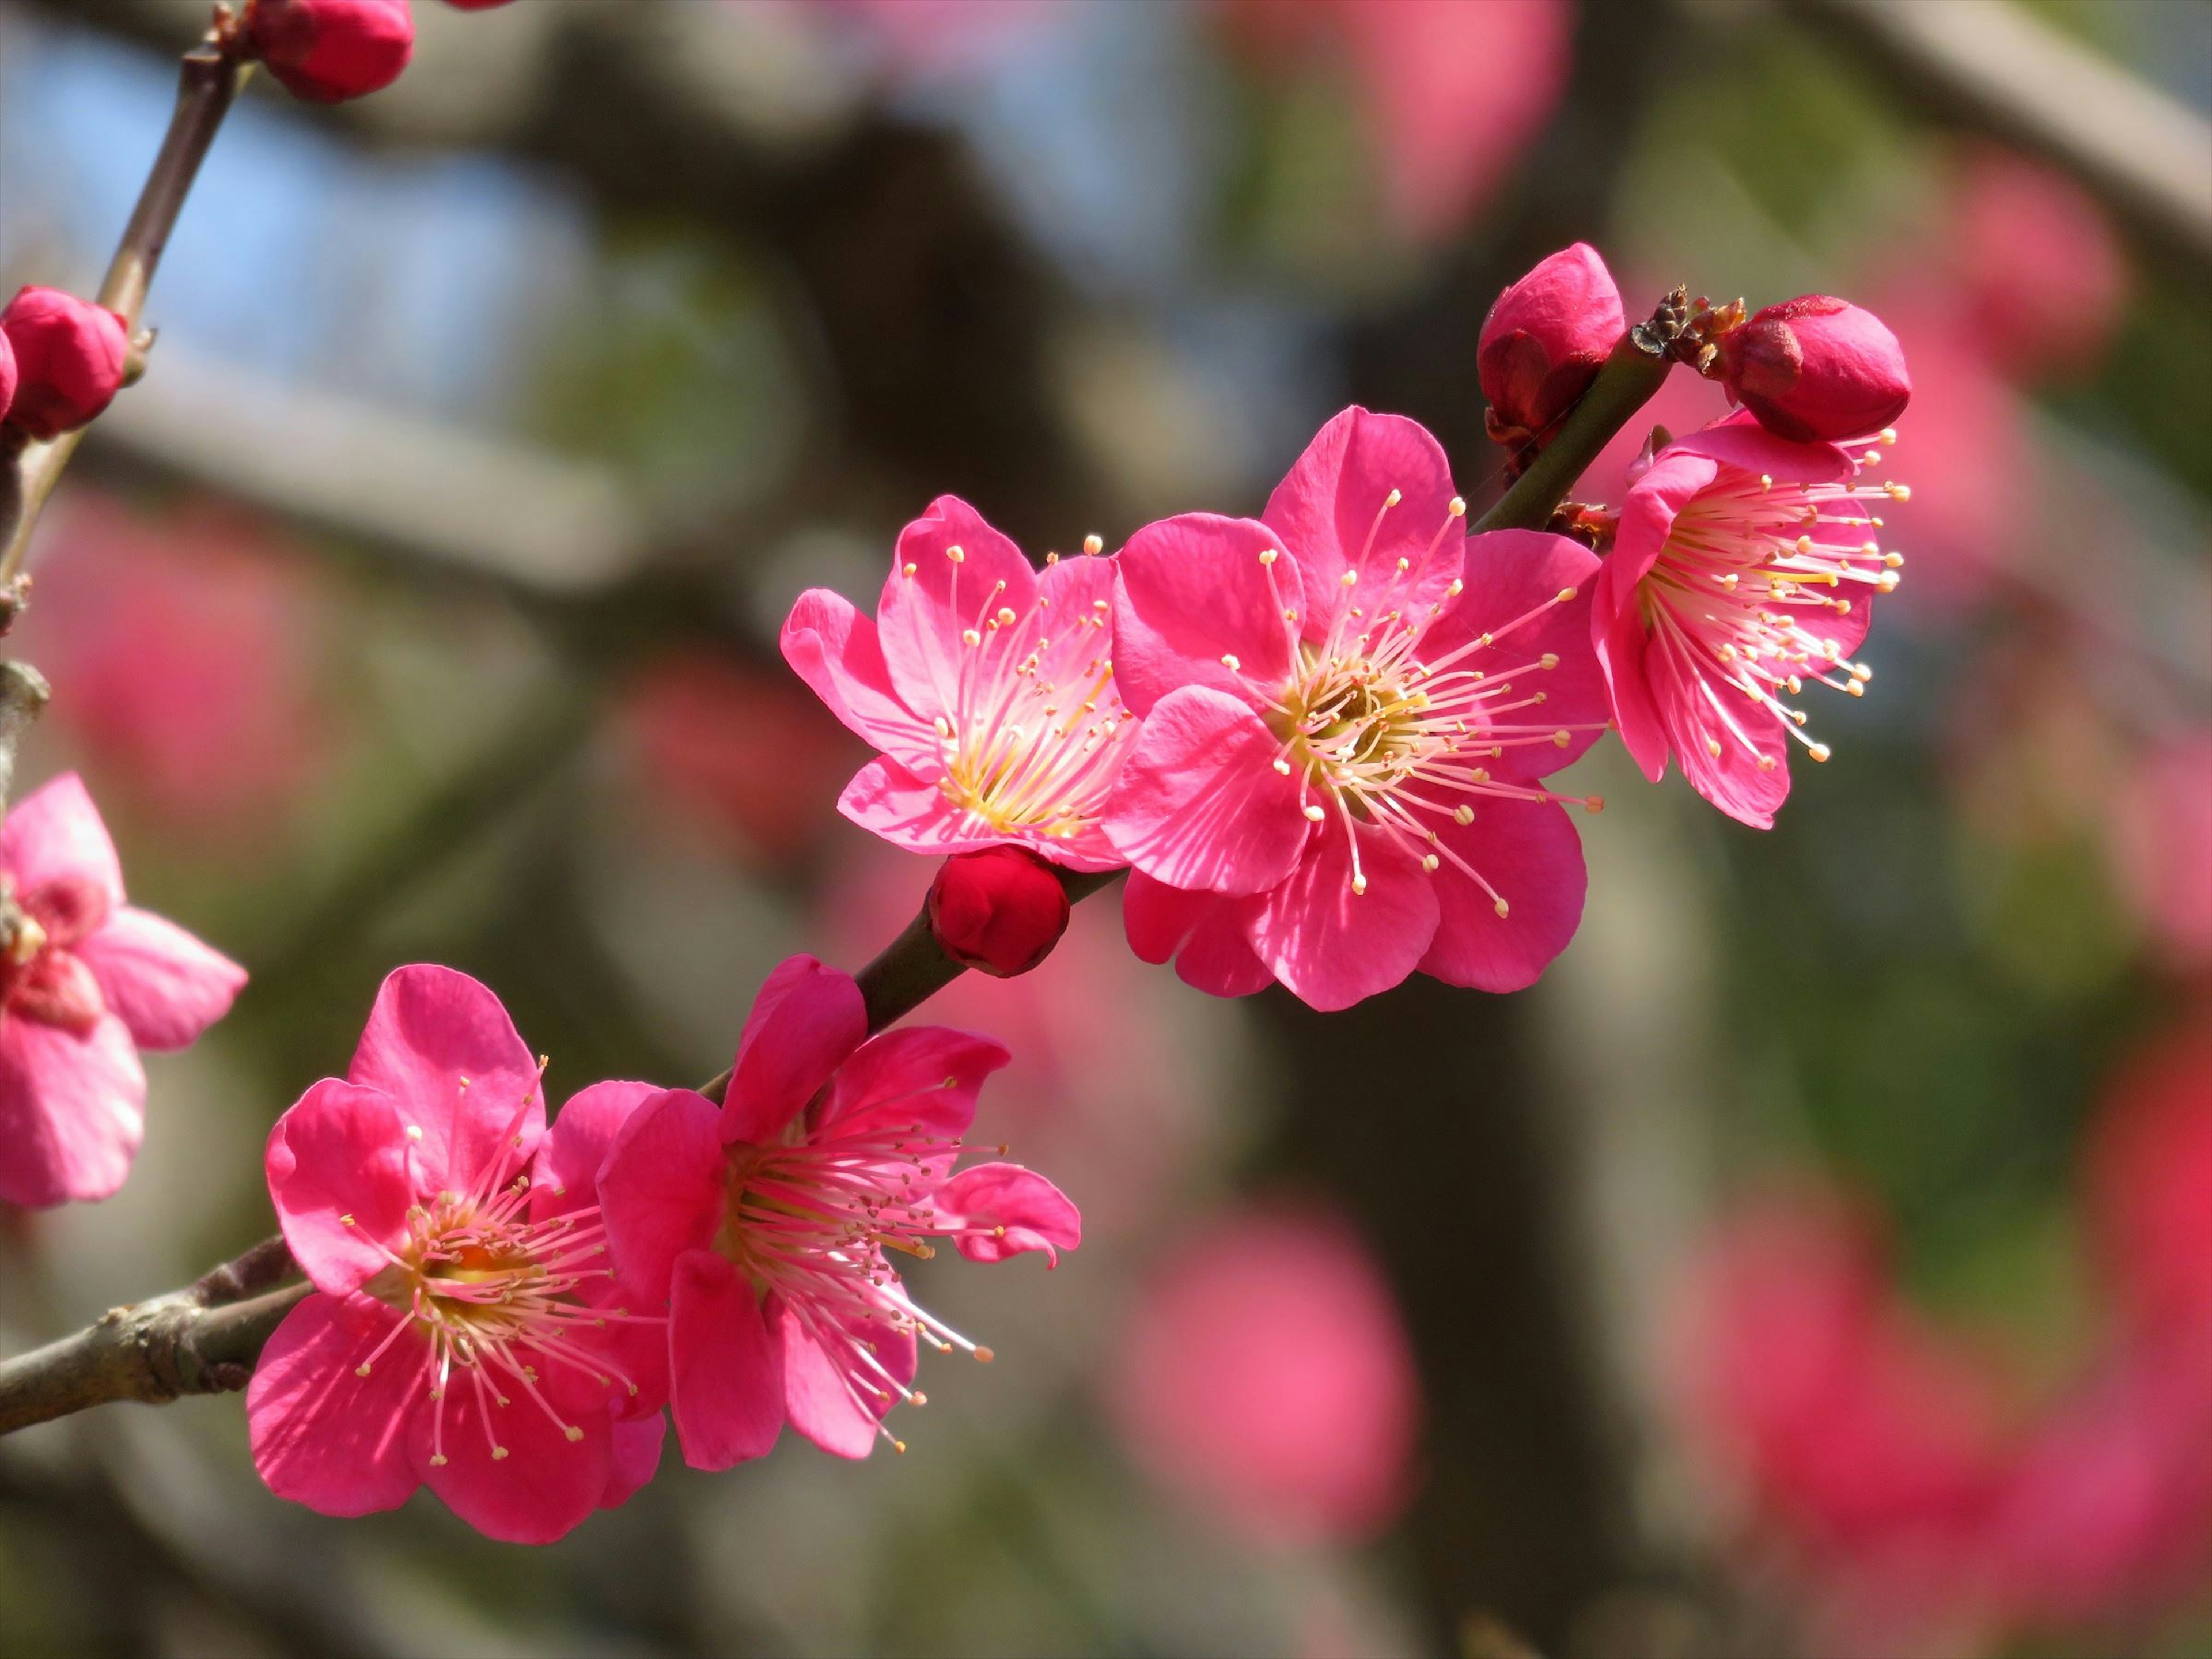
(1819, 1262)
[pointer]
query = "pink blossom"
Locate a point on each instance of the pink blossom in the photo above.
(1266, 1377)
(465, 1333)
(183, 648)
(2161, 845)
(1743, 566)
(988, 688)
(87, 981)
(765, 1223)
(1346, 710)
(2046, 278)
(2150, 1188)
(1543, 342)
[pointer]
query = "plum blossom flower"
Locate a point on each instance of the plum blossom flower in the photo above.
(987, 688)
(86, 982)
(1743, 565)
(1266, 1375)
(765, 1222)
(1347, 706)
(465, 1332)
(2047, 277)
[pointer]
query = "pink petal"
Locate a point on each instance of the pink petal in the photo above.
(835, 649)
(637, 1458)
(341, 1181)
(322, 1435)
(54, 834)
(806, 1020)
(57, 989)
(583, 1133)
(1190, 591)
(1530, 852)
(1199, 803)
(1330, 511)
(72, 1108)
(1333, 946)
(430, 1029)
(166, 985)
(726, 1387)
(660, 1190)
(823, 1392)
(1701, 712)
(1620, 644)
(927, 1076)
(545, 1485)
(1648, 511)
(922, 615)
(1024, 1210)
(1741, 442)
(911, 811)
(1206, 929)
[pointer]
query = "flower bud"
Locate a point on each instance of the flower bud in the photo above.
(1543, 342)
(7, 376)
(1817, 369)
(329, 50)
(69, 359)
(999, 910)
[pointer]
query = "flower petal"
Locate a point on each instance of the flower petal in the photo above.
(824, 1387)
(927, 1076)
(923, 614)
(1021, 1208)
(583, 1133)
(637, 1446)
(1621, 642)
(725, 1378)
(54, 834)
(1330, 511)
(835, 649)
(525, 1481)
(1206, 929)
(1191, 590)
(323, 1434)
(431, 1029)
(340, 1179)
(1531, 854)
(1333, 946)
(660, 1190)
(1719, 735)
(165, 984)
(1199, 804)
(806, 1022)
(72, 1109)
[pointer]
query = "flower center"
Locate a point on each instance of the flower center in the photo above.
(1029, 742)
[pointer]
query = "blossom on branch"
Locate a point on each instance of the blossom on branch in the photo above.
(1817, 368)
(765, 1223)
(1743, 565)
(987, 687)
(466, 1332)
(1543, 342)
(86, 982)
(1347, 709)
(69, 356)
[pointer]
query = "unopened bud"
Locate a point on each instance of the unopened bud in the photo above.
(1817, 368)
(999, 910)
(67, 357)
(329, 50)
(1543, 342)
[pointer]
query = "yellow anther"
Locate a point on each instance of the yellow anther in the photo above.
(1229, 662)
(1359, 883)
(1456, 506)
(954, 554)
(1392, 499)
(1314, 813)
(1503, 909)
(1094, 545)
(1462, 816)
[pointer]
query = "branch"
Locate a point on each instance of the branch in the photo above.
(1630, 377)
(208, 83)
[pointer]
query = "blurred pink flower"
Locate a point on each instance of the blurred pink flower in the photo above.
(2150, 1182)
(1265, 1376)
(763, 1223)
(464, 1332)
(1333, 713)
(1743, 565)
(743, 752)
(988, 688)
(180, 647)
(89, 981)
(2161, 845)
(2045, 277)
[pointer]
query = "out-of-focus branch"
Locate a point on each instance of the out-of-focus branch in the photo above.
(23, 695)
(201, 1339)
(208, 84)
(2001, 67)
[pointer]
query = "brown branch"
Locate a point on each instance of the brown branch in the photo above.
(208, 83)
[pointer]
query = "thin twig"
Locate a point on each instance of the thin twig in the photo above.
(23, 695)
(208, 83)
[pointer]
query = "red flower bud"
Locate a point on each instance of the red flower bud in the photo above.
(7, 376)
(1817, 368)
(329, 50)
(1543, 344)
(69, 360)
(999, 911)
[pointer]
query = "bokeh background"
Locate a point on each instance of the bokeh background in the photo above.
(1818, 1261)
